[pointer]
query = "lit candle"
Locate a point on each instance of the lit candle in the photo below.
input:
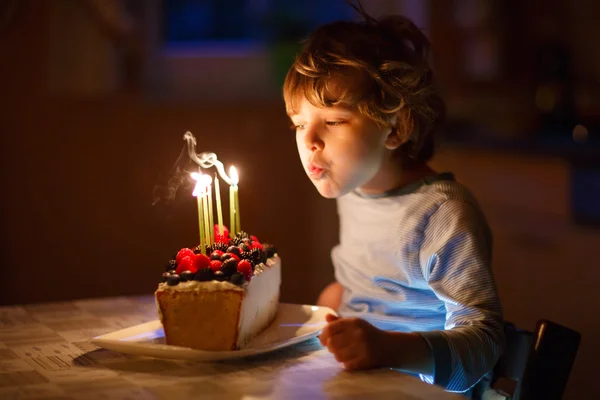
(199, 195)
(231, 212)
(211, 221)
(206, 221)
(233, 198)
(219, 210)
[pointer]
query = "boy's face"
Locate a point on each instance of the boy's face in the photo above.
(340, 149)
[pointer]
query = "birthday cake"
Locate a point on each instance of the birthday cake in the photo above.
(219, 296)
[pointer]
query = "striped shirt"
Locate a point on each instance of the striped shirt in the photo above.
(418, 260)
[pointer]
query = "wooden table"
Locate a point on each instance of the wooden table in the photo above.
(45, 353)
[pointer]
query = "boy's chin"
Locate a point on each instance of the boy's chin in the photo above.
(328, 191)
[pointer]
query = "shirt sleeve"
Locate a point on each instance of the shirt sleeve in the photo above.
(455, 258)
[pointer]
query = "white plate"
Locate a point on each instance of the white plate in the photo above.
(293, 324)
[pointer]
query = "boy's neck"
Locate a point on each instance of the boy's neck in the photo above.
(389, 179)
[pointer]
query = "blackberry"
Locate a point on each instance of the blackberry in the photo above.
(237, 278)
(242, 235)
(219, 276)
(186, 276)
(204, 275)
(246, 255)
(244, 247)
(236, 241)
(269, 249)
(198, 250)
(172, 264)
(229, 267)
(258, 256)
(173, 280)
(220, 246)
(234, 250)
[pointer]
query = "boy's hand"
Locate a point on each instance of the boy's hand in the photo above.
(355, 342)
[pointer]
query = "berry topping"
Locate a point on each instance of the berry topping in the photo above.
(237, 278)
(215, 265)
(197, 250)
(216, 255)
(173, 280)
(245, 267)
(229, 267)
(200, 261)
(246, 256)
(254, 238)
(221, 246)
(270, 250)
(165, 275)
(186, 276)
(172, 264)
(172, 271)
(219, 276)
(258, 256)
(226, 256)
(234, 250)
(244, 247)
(183, 253)
(256, 245)
(186, 264)
(204, 275)
(242, 235)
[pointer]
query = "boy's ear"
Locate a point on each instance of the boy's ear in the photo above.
(394, 139)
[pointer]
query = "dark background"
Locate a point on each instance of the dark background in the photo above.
(94, 105)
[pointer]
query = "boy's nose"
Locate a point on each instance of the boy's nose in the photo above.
(313, 141)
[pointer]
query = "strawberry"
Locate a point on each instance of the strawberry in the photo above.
(257, 245)
(215, 265)
(186, 264)
(245, 267)
(201, 261)
(183, 253)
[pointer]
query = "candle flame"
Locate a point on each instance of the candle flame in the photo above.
(233, 174)
(199, 189)
(206, 179)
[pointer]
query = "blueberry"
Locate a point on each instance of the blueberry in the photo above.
(234, 250)
(225, 257)
(172, 271)
(186, 276)
(229, 267)
(173, 280)
(219, 276)
(237, 278)
(165, 275)
(172, 264)
(204, 275)
(215, 256)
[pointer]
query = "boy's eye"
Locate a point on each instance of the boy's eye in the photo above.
(334, 123)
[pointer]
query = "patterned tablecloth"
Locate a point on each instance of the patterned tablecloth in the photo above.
(45, 353)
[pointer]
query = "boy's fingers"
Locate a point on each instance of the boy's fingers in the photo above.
(331, 318)
(340, 341)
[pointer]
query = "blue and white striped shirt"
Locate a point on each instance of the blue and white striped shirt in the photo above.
(418, 260)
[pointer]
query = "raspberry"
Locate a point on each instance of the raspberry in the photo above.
(183, 253)
(245, 267)
(215, 265)
(254, 238)
(186, 264)
(200, 261)
(257, 245)
(234, 256)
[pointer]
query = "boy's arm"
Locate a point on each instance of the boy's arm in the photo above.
(331, 296)
(455, 258)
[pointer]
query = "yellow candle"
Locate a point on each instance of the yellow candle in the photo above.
(238, 225)
(211, 220)
(234, 206)
(206, 222)
(198, 194)
(219, 210)
(231, 211)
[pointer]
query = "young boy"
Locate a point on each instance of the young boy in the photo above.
(413, 284)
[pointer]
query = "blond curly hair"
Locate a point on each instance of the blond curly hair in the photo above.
(385, 74)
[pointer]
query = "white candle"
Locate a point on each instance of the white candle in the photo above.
(198, 194)
(233, 198)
